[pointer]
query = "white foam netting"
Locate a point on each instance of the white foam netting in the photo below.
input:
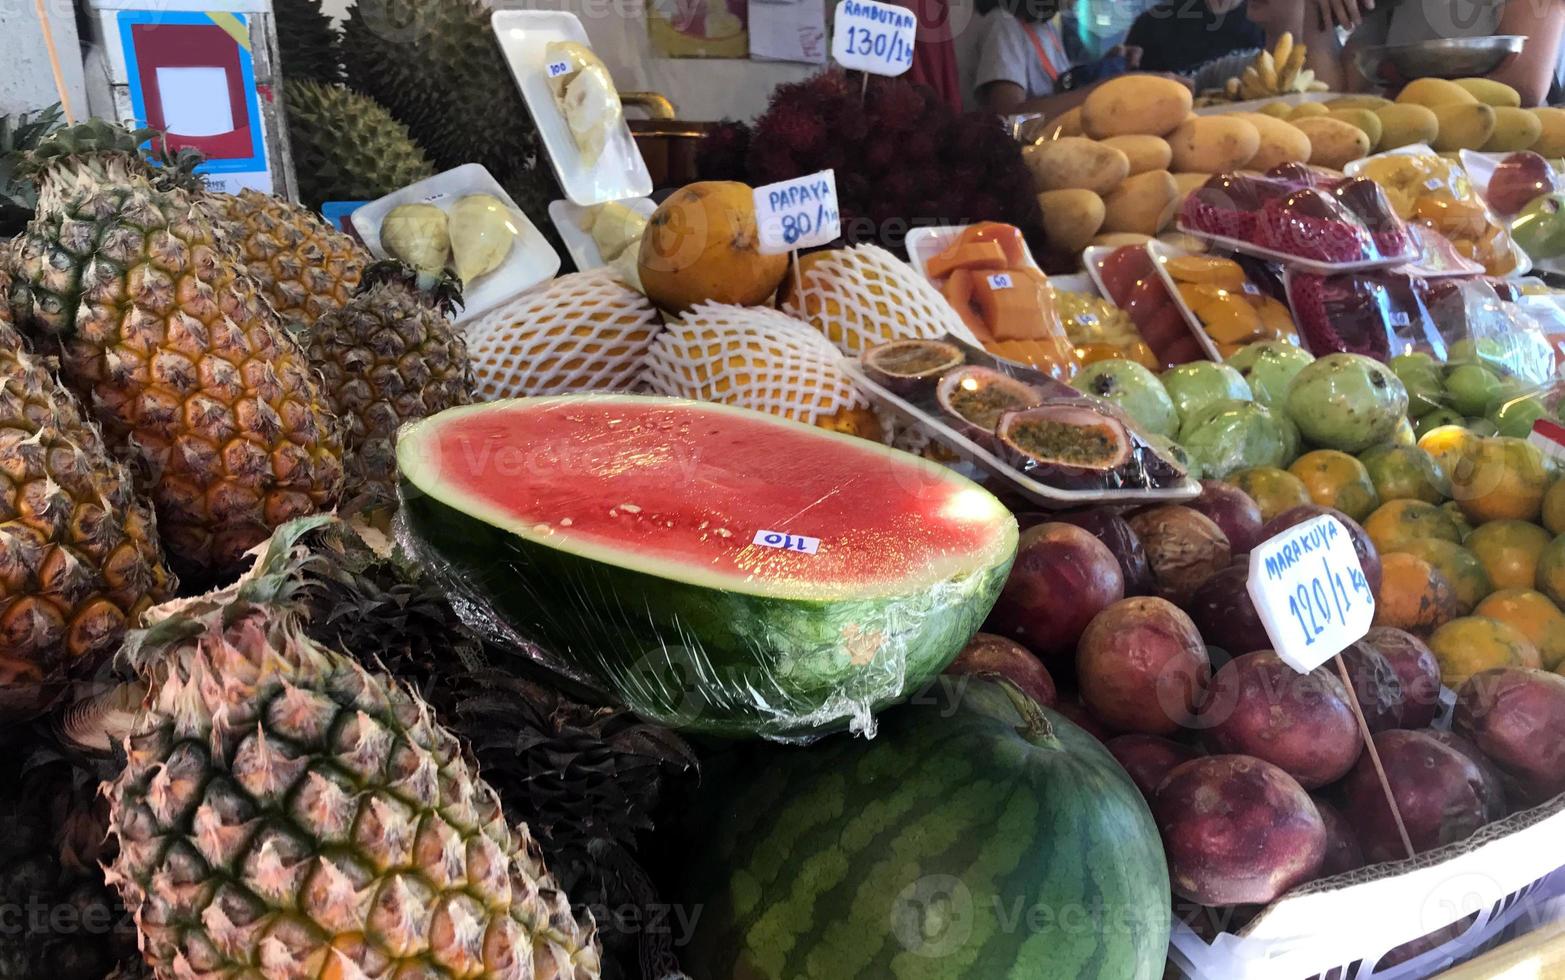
(863, 296)
(752, 358)
(587, 331)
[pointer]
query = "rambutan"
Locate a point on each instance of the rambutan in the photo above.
(722, 151)
(897, 105)
(796, 127)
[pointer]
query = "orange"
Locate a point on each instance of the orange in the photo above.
(1470, 644)
(1405, 473)
(1551, 571)
(1554, 507)
(702, 244)
(1413, 595)
(1398, 522)
(1335, 479)
(1274, 490)
(1449, 445)
(1509, 551)
(1505, 478)
(1534, 616)
(1458, 519)
(1459, 566)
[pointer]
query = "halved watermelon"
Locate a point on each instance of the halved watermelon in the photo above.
(720, 569)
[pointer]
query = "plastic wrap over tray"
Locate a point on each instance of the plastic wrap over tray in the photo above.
(717, 569)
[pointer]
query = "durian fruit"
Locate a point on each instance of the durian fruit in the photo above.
(307, 41)
(347, 147)
(173, 349)
(418, 234)
(483, 232)
(286, 812)
(390, 356)
(79, 553)
(435, 64)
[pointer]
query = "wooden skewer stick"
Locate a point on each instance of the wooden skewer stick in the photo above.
(54, 62)
(1374, 756)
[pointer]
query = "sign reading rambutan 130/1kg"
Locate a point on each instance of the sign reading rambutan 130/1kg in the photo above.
(1310, 591)
(873, 37)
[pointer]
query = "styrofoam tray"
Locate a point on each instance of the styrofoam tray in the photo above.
(1161, 252)
(583, 248)
(620, 172)
(925, 243)
(531, 261)
(1308, 265)
(1254, 105)
(1040, 493)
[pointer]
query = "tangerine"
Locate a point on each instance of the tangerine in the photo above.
(1274, 490)
(1509, 551)
(1534, 615)
(1414, 595)
(1470, 644)
(1554, 507)
(1459, 566)
(1505, 478)
(1335, 479)
(1399, 522)
(1405, 473)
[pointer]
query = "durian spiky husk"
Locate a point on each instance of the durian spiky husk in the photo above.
(435, 64)
(347, 147)
(285, 812)
(307, 41)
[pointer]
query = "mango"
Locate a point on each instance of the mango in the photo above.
(1490, 92)
(1364, 119)
(1333, 143)
(1130, 104)
(1142, 205)
(1075, 162)
(1464, 126)
(1305, 110)
(1070, 218)
(1514, 129)
(1067, 124)
(1552, 141)
(1370, 102)
(1213, 144)
(1281, 141)
(1403, 123)
(1277, 110)
(1434, 92)
(1144, 152)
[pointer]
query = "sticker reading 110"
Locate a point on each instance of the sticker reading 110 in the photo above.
(873, 37)
(798, 213)
(788, 542)
(1310, 592)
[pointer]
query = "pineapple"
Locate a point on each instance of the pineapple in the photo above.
(390, 356)
(177, 354)
(19, 134)
(285, 812)
(306, 267)
(79, 552)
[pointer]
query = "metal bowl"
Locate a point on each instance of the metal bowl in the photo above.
(1456, 57)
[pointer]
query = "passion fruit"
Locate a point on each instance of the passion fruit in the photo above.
(907, 367)
(976, 397)
(1067, 443)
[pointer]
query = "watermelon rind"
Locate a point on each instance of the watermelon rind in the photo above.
(697, 651)
(962, 842)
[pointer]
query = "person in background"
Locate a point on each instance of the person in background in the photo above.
(1096, 29)
(1182, 35)
(1023, 66)
(1534, 74)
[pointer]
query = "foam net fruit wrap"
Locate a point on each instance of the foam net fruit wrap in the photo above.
(863, 296)
(587, 331)
(752, 358)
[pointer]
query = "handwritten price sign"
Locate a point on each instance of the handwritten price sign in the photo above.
(1310, 591)
(873, 37)
(798, 213)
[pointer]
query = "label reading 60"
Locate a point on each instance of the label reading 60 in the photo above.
(1311, 592)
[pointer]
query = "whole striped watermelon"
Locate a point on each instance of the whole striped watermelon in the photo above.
(976, 837)
(719, 569)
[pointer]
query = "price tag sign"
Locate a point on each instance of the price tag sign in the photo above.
(557, 68)
(873, 37)
(798, 213)
(1000, 280)
(1310, 591)
(788, 542)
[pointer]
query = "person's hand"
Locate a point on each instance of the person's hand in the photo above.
(1340, 13)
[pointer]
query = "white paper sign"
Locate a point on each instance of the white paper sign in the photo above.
(798, 213)
(788, 542)
(1310, 591)
(875, 37)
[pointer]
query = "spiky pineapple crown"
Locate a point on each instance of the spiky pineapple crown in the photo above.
(94, 153)
(20, 135)
(442, 291)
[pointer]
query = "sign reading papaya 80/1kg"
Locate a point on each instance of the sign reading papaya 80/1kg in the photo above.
(1311, 592)
(873, 37)
(798, 213)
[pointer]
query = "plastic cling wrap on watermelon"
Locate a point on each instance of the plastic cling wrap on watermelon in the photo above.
(716, 569)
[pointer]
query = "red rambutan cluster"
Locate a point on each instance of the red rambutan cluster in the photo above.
(722, 151)
(901, 155)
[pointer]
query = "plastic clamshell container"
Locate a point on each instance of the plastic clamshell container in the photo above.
(1161, 253)
(1095, 255)
(531, 259)
(1042, 494)
(620, 172)
(924, 243)
(581, 246)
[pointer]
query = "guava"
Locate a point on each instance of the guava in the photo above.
(1481, 350)
(1515, 417)
(1435, 420)
(1201, 383)
(1420, 375)
(1470, 388)
(1404, 434)
(1346, 401)
(1232, 435)
(1134, 389)
(1268, 366)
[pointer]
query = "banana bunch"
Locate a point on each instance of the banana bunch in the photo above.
(1277, 72)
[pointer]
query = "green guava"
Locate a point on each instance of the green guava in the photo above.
(1469, 388)
(1420, 375)
(1201, 383)
(1435, 420)
(1136, 390)
(1268, 367)
(1515, 417)
(1232, 435)
(1347, 402)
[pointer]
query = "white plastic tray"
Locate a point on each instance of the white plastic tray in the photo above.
(620, 172)
(1040, 493)
(1295, 261)
(531, 261)
(582, 247)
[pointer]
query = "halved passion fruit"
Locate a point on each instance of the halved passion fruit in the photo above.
(1074, 444)
(908, 366)
(975, 397)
